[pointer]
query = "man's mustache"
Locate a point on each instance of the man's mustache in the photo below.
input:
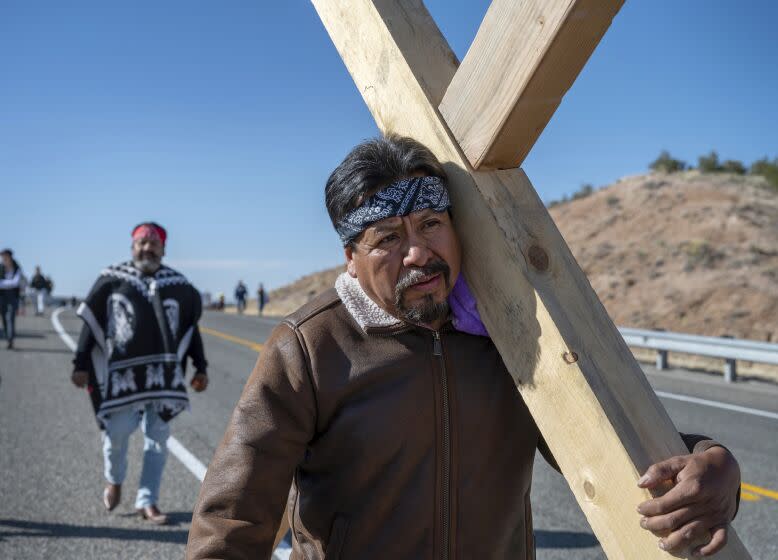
(418, 274)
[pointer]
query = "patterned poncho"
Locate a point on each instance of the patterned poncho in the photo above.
(142, 326)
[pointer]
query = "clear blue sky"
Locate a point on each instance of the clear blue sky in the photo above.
(222, 120)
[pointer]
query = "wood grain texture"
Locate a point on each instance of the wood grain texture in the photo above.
(525, 56)
(586, 392)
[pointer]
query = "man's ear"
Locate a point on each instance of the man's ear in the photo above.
(351, 268)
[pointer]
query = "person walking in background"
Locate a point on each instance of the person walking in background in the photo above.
(241, 292)
(140, 324)
(49, 287)
(41, 287)
(261, 298)
(21, 308)
(10, 290)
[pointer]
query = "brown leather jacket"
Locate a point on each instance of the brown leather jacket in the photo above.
(400, 442)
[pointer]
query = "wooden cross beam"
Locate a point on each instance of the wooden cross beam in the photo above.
(524, 58)
(587, 393)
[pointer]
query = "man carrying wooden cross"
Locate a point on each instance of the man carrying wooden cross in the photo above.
(392, 413)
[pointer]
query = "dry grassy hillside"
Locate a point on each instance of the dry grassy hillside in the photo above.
(286, 299)
(684, 252)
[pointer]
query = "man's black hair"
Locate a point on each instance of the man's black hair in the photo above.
(374, 164)
(14, 264)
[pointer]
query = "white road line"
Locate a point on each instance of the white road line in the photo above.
(195, 466)
(717, 404)
(60, 331)
(190, 461)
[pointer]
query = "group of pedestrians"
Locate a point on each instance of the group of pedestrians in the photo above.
(241, 297)
(13, 291)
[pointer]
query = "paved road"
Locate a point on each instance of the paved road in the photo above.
(51, 463)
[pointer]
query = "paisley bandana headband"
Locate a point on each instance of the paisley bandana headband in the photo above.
(398, 199)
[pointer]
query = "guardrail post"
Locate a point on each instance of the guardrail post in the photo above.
(661, 359)
(730, 371)
(730, 366)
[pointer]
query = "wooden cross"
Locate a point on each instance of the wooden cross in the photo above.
(587, 393)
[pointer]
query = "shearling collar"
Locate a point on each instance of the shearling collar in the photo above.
(363, 309)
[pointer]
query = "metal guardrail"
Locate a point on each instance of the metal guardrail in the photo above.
(730, 349)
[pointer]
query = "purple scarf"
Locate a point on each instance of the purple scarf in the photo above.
(465, 310)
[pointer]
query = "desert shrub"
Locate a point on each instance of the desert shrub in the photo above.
(760, 253)
(585, 190)
(666, 163)
(655, 185)
(733, 166)
(553, 203)
(700, 253)
(767, 169)
(709, 163)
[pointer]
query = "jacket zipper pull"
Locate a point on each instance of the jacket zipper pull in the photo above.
(437, 349)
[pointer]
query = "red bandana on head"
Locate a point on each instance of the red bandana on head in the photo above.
(151, 230)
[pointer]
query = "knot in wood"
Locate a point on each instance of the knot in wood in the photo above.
(589, 489)
(570, 357)
(538, 258)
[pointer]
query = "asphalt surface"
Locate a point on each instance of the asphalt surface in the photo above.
(51, 464)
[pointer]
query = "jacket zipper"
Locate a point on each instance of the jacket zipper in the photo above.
(437, 350)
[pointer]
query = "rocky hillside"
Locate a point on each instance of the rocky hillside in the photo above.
(685, 252)
(286, 299)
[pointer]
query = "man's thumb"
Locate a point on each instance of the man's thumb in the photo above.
(659, 472)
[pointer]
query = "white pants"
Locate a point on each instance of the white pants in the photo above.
(118, 427)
